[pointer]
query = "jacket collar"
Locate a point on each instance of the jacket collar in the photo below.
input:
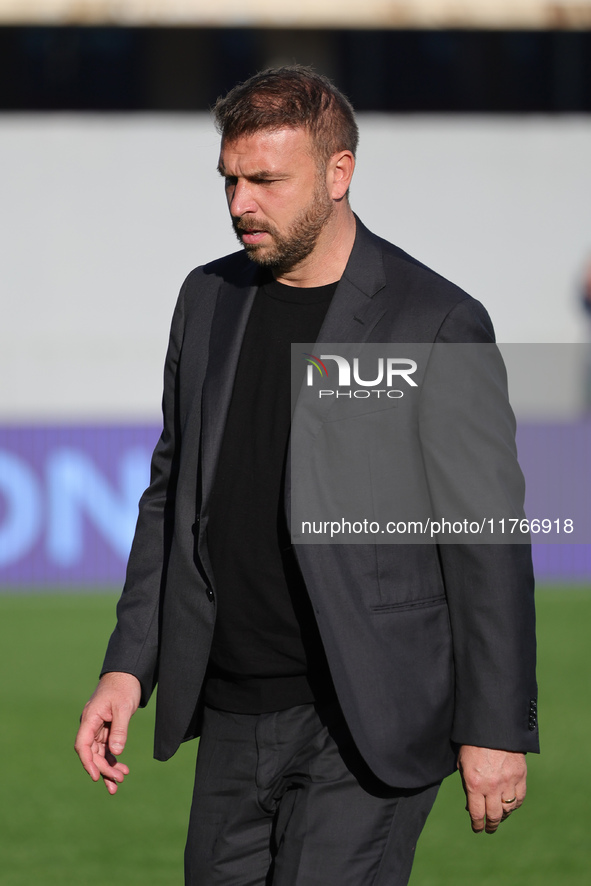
(353, 311)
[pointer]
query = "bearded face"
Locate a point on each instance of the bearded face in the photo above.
(289, 246)
(277, 195)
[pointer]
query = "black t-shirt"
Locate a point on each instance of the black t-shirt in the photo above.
(266, 652)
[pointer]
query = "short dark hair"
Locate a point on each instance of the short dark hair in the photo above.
(289, 96)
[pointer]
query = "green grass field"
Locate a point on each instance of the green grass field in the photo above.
(57, 827)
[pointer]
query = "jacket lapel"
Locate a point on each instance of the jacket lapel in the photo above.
(228, 328)
(353, 311)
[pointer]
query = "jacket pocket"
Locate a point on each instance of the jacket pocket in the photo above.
(410, 605)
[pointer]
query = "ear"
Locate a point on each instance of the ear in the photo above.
(339, 173)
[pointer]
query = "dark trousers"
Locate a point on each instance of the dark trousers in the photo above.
(284, 799)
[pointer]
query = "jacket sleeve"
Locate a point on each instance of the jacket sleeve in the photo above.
(467, 431)
(133, 647)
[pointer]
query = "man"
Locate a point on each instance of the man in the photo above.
(333, 686)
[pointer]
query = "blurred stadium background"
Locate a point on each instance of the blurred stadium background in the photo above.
(475, 156)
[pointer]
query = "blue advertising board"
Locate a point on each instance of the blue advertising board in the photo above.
(69, 500)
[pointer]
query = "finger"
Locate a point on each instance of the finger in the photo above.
(99, 762)
(476, 809)
(92, 732)
(511, 799)
(118, 729)
(111, 786)
(492, 824)
(116, 764)
(477, 825)
(87, 759)
(115, 775)
(520, 792)
(512, 803)
(109, 769)
(494, 814)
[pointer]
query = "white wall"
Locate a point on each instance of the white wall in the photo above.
(102, 216)
(372, 13)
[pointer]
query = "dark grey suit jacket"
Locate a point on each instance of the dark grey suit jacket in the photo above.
(429, 646)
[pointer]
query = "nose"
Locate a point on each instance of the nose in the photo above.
(240, 199)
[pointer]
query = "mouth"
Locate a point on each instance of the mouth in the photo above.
(248, 233)
(252, 237)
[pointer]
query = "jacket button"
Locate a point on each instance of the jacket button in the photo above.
(209, 593)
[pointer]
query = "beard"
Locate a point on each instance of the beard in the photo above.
(289, 249)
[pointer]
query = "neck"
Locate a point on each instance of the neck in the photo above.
(329, 258)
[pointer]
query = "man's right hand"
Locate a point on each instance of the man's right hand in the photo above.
(103, 727)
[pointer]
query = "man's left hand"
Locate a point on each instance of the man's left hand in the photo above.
(494, 782)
